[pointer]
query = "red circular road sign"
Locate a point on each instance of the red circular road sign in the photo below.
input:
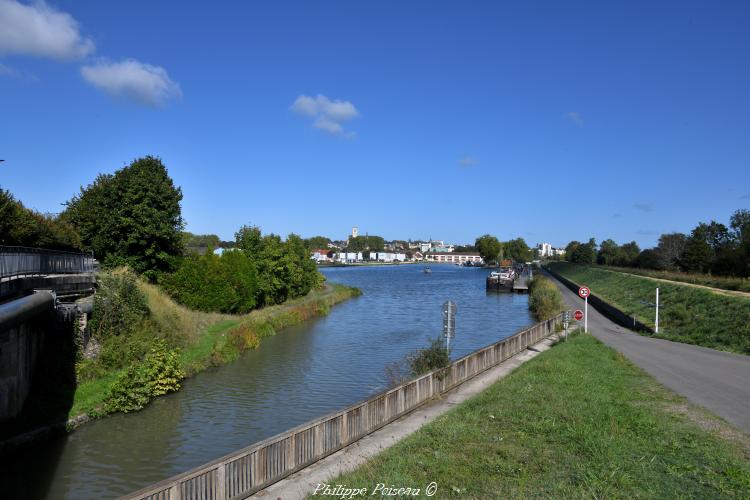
(578, 315)
(584, 292)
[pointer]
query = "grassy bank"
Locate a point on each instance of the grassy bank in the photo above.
(686, 314)
(207, 339)
(577, 421)
(720, 282)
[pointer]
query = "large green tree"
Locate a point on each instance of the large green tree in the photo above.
(609, 253)
(131, 217)
(489, 247)
(285, 269)
(517, 250)
(629, 254)
(363, 243)
(698, 253)
(584, 253)
(669, 249)
(317, 242)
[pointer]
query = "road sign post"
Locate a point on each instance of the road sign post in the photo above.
(656, 330)
(584, 293)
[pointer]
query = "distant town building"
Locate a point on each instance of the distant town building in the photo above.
(442, 249)
(547, 250)
(355, 232)
(454, 257)
(348, 257)
(322, 255)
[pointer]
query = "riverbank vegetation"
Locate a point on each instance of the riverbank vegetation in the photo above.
(686, 314)
(146, 343)
(545, 299)
(418, 362)
(576, 421)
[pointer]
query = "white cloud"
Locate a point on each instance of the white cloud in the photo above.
(39, 30)
(468, 161)
(143, 83)
(576, 118)
(329, 114)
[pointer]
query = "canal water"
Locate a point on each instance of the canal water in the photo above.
(302, 373)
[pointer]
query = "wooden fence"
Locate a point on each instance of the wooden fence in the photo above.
(251, 469)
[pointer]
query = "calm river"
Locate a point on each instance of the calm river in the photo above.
(301, 373)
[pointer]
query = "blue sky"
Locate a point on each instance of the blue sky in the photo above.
(551, 121)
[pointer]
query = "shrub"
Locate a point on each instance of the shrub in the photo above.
(545, 300)
(228, 283)
(430, 358)
(119, 305)
(159, 373)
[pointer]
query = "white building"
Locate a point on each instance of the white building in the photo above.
(349, 257)
(545, 249)
(454, 257)
(321, 255)
(388, 256)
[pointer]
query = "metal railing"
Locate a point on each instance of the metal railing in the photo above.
(25, 261)
(251, 469)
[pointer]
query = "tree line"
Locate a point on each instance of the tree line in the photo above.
(493, 250)
(133, 218)
(712, 248)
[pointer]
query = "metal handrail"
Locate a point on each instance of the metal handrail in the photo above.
(17, 261)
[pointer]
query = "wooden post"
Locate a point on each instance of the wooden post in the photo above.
(344, 428)
(221, 482)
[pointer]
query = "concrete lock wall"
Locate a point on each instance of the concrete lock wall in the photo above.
(19, 347)
(22, 327)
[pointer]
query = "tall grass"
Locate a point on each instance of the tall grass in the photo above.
(545, 299)
(687, 314)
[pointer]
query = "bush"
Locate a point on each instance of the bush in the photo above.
(159, 373)
(545, 300)
(430, 358)
(228, 283)
(119, 305)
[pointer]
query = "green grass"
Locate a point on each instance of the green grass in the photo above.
(721, 282)
(687, 314)
(577, 421)
(208, 339)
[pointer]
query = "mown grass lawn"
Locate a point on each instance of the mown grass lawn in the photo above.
(577, 421)
(687, 314)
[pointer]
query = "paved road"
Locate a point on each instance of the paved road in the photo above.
(719, 381)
